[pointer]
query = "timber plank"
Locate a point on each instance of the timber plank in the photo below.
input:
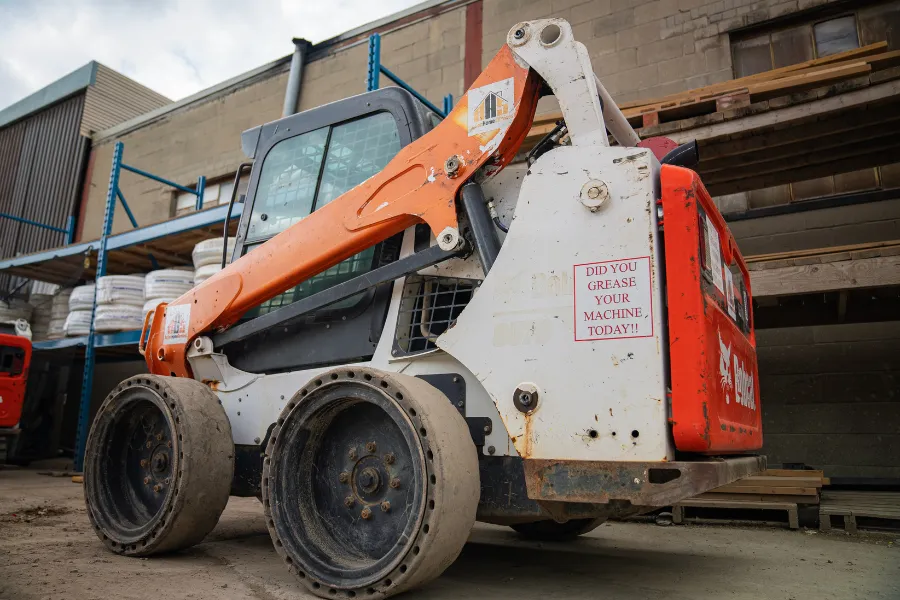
(763, 490)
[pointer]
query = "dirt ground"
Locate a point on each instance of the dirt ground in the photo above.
(48, 551)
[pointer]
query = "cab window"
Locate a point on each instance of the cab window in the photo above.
(305, 172)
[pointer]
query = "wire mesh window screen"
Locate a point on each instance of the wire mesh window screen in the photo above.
(287, 184)
(291, 189)
(428, 307)
(357, 150)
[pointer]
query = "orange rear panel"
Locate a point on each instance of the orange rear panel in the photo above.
(715, 381)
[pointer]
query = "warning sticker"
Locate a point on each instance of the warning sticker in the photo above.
(613, 299)
(729, 293)
(490, 106)
(178, 320)
(715, 254)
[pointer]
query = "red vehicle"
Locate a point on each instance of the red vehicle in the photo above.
(15, 358)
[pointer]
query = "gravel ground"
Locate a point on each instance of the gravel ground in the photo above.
(48, 551)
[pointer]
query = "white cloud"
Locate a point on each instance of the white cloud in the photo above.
(176, 47)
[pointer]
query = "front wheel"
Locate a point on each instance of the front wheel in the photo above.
(158, 465)
(370, 483)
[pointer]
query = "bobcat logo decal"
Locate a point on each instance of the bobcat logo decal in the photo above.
(725, 366)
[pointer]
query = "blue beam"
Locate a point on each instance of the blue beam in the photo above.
(159, 179)
(70, 230)
(127, 208)
(201, 187)
(409, 89)
(195, 220)
(374, 67)
(69, 342)
(30, 222)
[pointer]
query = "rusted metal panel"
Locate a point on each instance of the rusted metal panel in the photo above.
(640, 483)
(41, 164)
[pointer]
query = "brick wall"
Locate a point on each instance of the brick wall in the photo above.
(645, 48)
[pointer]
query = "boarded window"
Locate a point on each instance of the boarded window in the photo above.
(836, 35)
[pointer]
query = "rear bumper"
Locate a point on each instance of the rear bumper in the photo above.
(641, 483)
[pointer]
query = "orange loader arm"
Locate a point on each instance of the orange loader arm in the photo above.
(414, 187)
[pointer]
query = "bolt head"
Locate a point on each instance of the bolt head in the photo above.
(256, 440)
(395, 482)
(366, 513)
(344, 477)
(157, 488)
(389, 458)
(491, 450)
(487, 428)
(149, 444)
(371, 447)
(349, 502)
(143, 462)
(385, 506)
(460, 404)
(146, 481)
(525, 398)
(519, 34)
(158, 437)
(352, 454)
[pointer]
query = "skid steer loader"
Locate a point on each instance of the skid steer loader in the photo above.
(418, 332)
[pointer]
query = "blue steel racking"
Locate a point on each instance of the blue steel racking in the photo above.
(375, 69)
(50, 265)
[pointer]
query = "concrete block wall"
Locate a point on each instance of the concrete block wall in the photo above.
(643, 49)
(204, 138)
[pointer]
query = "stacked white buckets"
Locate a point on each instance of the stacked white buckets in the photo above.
(119, 302)
(207, 257)
(165, 285)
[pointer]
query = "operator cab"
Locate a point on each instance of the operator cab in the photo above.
(303, 162)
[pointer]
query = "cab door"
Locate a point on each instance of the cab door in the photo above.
(303, 162)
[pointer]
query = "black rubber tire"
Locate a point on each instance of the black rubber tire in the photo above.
(551, 531)
(192, 462)
(321, 545)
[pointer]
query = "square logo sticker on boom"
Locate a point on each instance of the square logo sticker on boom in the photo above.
(178, 322)
(613, 300)
(490, 106)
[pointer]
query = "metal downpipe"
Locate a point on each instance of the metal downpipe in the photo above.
(295, 77)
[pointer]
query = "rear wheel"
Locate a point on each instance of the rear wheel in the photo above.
(370, 484)
(551, 531)
(158, 465)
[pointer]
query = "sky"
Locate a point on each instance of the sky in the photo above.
(176, 47)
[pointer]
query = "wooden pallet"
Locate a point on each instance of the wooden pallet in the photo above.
(773, 489)
(850, 505)
(707, 501)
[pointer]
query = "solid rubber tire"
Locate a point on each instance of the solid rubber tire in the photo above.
(203, 465)
(453, 483)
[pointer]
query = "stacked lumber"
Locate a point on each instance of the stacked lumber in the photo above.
(773, 489)
(741, 93)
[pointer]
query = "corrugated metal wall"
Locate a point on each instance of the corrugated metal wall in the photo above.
(41, 160)
(114, 98)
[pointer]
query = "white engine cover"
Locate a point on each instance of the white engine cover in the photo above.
(573, 306)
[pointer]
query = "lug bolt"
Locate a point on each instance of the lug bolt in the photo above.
(344, 477)
(366, 513)
(166, 481)
(146, 481)
(149, 444)
(143, 462)
(395, 482)
(389, 458)
(158, 437)
(385, 506)
(156, 488)
(169, 444)
(352, 454)
(348, 501)
(371, 447)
